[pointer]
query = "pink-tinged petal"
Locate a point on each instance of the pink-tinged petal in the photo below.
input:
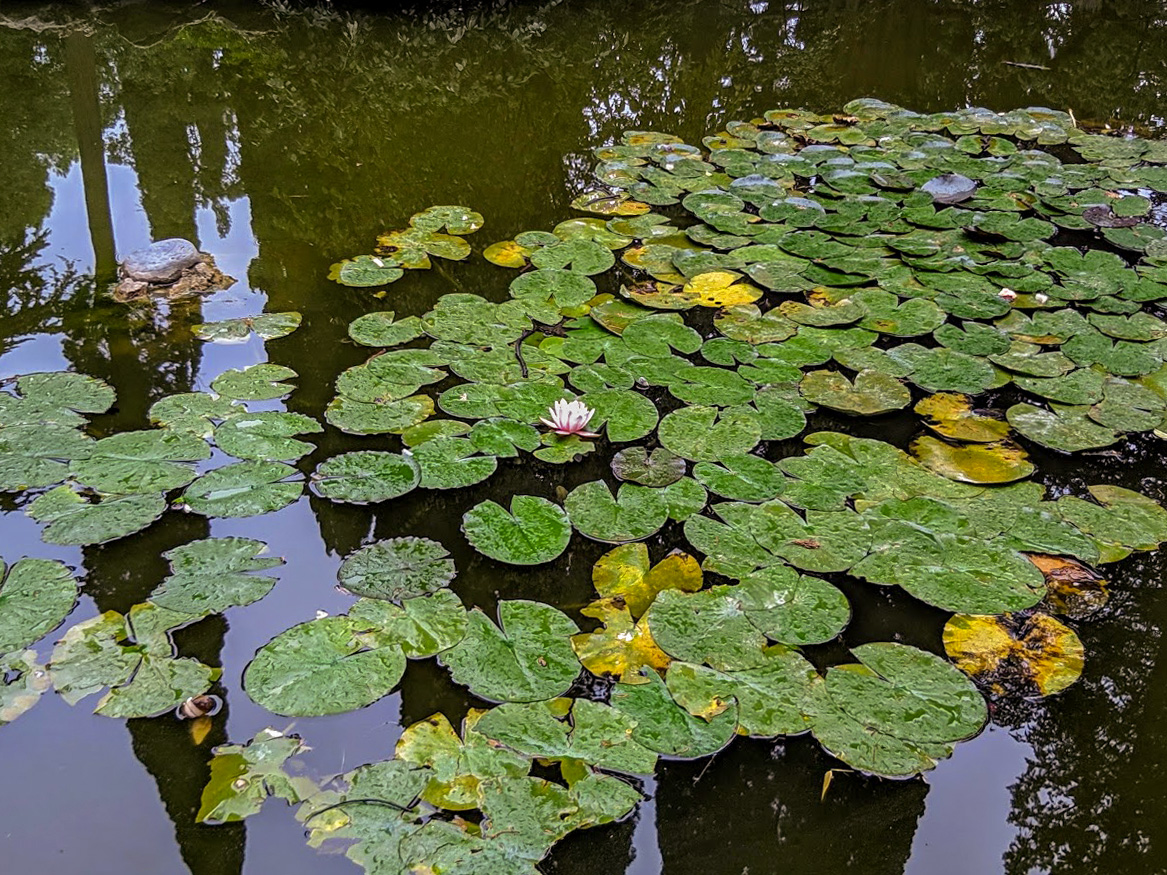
(547, 422)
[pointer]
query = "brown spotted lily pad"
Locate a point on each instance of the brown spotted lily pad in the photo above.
(1028, 653)
(973, 463)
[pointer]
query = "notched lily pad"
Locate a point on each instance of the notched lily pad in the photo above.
(1029, 654)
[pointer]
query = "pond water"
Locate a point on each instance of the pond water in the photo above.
(281, 141)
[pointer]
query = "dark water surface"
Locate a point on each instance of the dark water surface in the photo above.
(281, 143)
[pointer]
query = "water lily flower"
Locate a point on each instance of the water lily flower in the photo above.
(570, 417)
(1007, 294)
(1040, 298)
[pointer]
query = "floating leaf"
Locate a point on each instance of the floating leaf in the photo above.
(976, 463)
(268, 326)
(897, 712)
(244, 775)
(744, 477)
(210, 576)
(1028, 654)
(366, 476)
(381, 329)
(530, 659)
(322, 667)
(634, 513)
(394, 417)
(952, 416)
(192, 411)
(706, 434)
(22, 682)
(397, 568)
(591, 732)
(657, 468)
(266, 436)
(365, 271)
(452, 463)
(1075, 591)
(138, 462)
(771, 698)
(533, 532)
(625, 573)
(621, 647)
(870, 394)
(35, 597)
(73, 520)
(665, 727)
(243, 489)
(1068, 429)
(260, 382)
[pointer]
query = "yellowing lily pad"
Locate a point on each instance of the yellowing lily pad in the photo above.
(973, 463)
(1029, 653)
(621, 647)
(625, 573)
(950, 414)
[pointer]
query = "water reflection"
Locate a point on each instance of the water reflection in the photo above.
(330, 124)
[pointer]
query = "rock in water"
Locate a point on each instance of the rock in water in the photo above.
(161, 262)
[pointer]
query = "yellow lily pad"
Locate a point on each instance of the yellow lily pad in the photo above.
(721, 288)
(974, 463)
(619, 648)
(1028, 653)
(507, 253)
(625, 573)
(950, 414)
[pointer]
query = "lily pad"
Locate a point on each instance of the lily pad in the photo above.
(382, 329)
(73, 520)
(35, 597)
(706, 434)
(533, 532)
(322, 667)
(266, 436)
(657, 468)
(626, 573)
(870, 394)
(210, 576)
(1030, 654)
(243, 489)
(897, 712)
(620, 647)
(260, 382)
(366, 476)
(976, 463)
(1068, 429)
(665, 727)
(139, 462)
(268, 326)
(397, 569)
(634, 513)
(528, 660)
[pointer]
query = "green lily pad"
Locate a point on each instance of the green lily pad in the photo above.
(139, 462)
(35, 597)
(870, 394)
(771, 697)
(897, 712)
(397, 569)
(366, 477)
(596, 734)
(792, 608)
(528, 660)
(322, 667)
(260, 382)
(657, 468)
(634, 513)
(266, 436)
(365, 271)
(268, 326)
(192, 411)
(394, 417)
(744, 477)
(243, 489)
(533, 532)
(210, 576)
(381, 329)
(1068, 429)
(706, 434)
(665, 727)
(73, 520)
(452, 463)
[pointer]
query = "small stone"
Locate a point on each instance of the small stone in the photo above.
(161, 262)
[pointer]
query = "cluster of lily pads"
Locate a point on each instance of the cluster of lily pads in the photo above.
(858, 264)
